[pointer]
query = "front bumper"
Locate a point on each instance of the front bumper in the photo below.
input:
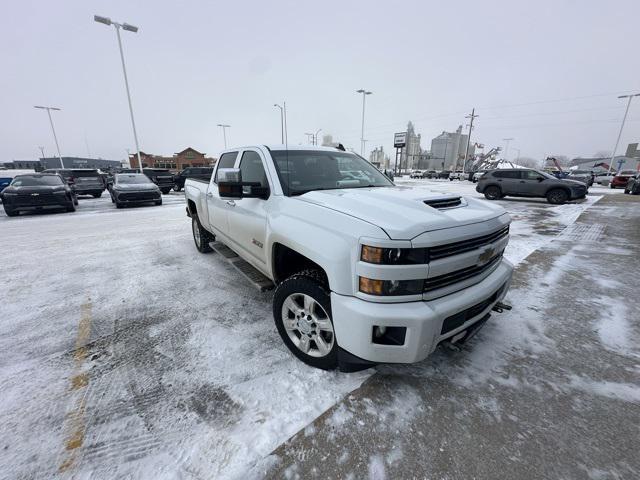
(137, 197)
(89, 190)
(354, 319)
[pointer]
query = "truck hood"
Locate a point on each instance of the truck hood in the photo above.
(401, 211)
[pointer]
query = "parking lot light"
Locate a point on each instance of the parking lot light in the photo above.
(624, 119)
(55, 138)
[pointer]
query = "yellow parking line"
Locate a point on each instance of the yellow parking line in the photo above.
(74, 423)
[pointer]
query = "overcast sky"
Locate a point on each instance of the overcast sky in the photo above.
(546, 73)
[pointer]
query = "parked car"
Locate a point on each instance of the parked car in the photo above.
(416, 174)
(633, 185)
(4, 181)
(516, 182)
(37, 192)
(200, 173)
(351, 289)
(584, 176)
(134, 189)
(431, 174)
(162, 177)
(444, 174)
(621, 178)
(83, 181)
(603, 178)
(457, 175)
(477, 175)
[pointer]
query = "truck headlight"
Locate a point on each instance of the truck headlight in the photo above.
(390, 287)
(394, 256)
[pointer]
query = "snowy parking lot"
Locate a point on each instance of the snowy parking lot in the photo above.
(124, 353)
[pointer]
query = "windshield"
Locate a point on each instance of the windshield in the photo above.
(302, 171)
(579, 172)
(133, 178)
(36, 181)
(545, 174)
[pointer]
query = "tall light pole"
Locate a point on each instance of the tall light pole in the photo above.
(309, 138)
(224, 133)
(624, 119)
(364, 96)
(518, 157)
(281, 121)
(315, 136)
(506, 148)
(55, 138)
(472, 116)
(42, 151)
(133, 29)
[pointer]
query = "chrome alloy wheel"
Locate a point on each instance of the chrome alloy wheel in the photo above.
(308, 325)
(196, 232)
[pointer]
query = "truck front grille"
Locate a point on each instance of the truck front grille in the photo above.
(454, 321)
(441, 281)
(138, 196)
(455, 248)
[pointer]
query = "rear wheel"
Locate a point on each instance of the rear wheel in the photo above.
(557, 196)
(165, 190)
(492, 193)
(177, 188)
(10, 212)
(97, 195)
(200, 236)
(158, 202)
(626, 190)
(302, 313)
(71, 207)
(119, 205)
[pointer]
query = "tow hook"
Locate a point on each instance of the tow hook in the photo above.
(501, 307)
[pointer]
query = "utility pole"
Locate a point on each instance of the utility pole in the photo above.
(472, 116)
(506, 148)
(42, 151)
(286, 133)
(224, 133)
(133, 29)
(624, 119)
(364, 96)
(53, 130)
(316, 136)
(309, 138)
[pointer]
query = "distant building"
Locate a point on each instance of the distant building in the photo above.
(68, 162)
(378, 158)
(189, 157)
(448, 149)
(596, 163)
(410, 154)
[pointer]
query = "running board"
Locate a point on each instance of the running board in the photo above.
(252, 274)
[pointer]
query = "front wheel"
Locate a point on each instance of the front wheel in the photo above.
(165, 190)
(492, 193)
(557, 197)
(177, 188)
(71, 207)
(97, 195)
(302, 313)
(10, 212)
(158, 202)
(200, 236)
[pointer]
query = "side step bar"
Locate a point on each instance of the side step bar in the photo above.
(256, 277)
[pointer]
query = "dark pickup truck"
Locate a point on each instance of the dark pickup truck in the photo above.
(83, 181)
(198, 173)
(37, 192)
(162, 177)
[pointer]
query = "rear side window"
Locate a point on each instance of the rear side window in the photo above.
(227, 160)
(506, 174)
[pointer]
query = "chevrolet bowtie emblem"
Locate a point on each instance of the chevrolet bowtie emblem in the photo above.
(486, 256)
(35, 194)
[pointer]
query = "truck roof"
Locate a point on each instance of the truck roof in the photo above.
(284, 147)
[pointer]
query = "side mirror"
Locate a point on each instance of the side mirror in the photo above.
(540, 179)
(230, 185)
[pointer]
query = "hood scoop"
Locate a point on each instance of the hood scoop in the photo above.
(441, 203)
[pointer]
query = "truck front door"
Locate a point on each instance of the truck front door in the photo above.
(248, 217)
(218, 208)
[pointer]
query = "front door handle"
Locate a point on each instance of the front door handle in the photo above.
(231, 203)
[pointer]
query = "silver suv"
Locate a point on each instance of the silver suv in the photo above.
(520, 182)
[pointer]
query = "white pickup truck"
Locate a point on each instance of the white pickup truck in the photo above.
(364, 271)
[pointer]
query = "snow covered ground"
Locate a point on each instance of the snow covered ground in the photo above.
(124, 352)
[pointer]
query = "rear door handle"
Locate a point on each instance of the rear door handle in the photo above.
(231, 203)
(209, 194)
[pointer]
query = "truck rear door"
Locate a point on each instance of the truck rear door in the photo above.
(218, 208)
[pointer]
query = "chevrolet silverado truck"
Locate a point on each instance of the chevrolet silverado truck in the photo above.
(364, 271)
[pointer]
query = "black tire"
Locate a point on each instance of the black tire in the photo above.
(177, 188)
(159, 202)
(201, 237)
(492, 193)
(313, 284)
(75, 200)
(119, 205)
(97, 195)
(557, 196)
(165, 190)
(626, 191)
(71, 207)
(10, 212)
